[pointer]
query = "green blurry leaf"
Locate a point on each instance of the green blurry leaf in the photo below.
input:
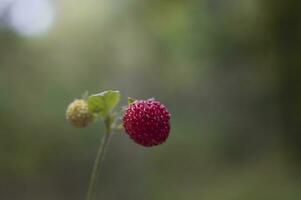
(131, 100)
(119, 127)
(102, 103)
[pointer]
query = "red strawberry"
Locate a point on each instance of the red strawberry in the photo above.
(147, 122)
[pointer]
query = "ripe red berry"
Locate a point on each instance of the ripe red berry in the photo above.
(147, 122)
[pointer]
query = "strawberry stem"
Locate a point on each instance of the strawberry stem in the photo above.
(99, 159)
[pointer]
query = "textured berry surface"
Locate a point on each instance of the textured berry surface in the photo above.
(147, 122)
(78, 113)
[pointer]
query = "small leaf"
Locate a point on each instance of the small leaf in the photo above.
(104, 102)
(131, 100)
(120, 127)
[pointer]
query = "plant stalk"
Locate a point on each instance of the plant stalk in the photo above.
(98, 160)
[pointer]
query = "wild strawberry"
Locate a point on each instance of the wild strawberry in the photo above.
(78, 113)
(147, 122)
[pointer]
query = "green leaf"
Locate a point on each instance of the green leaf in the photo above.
(131, 100)
(102, 103)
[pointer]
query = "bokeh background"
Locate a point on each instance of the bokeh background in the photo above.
(228, 70)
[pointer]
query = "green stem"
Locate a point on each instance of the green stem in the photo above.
(98, 160)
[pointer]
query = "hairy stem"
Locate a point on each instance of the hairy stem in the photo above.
(98, 161)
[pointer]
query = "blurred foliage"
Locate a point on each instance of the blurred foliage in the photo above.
(229, 72)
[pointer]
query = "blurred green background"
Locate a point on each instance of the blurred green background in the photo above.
(229, 72)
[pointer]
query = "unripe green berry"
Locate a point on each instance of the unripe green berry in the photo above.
(78, 113)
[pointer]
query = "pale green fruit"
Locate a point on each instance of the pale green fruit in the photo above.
(78, 113)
